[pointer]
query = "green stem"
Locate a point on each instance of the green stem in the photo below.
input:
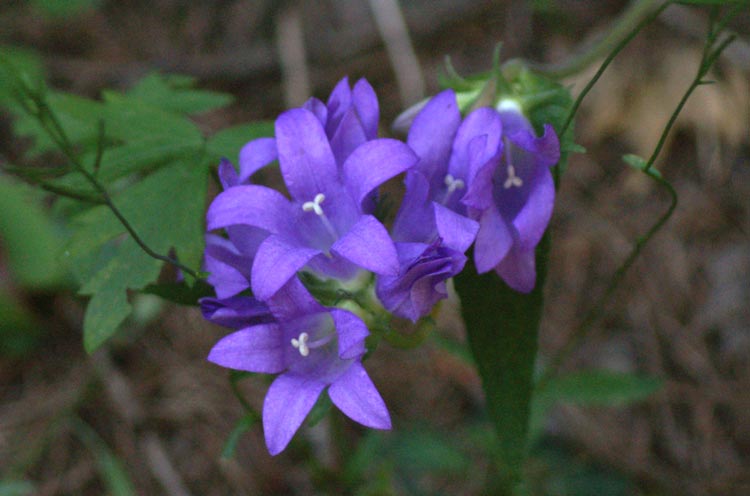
(645, 17)
(51, 124)
(710, 54)
(616, 35)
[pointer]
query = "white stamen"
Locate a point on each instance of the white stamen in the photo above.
(513, 179)
(314, 206)
(301, 344)
(453, 183)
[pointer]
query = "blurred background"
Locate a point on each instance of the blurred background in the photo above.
(149, 415)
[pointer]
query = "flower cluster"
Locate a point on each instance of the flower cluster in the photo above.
(483, 180)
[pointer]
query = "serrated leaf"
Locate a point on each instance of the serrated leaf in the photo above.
(228, 142)
(128, 118)
(30, 240)
(166, 210)
(18, 62)
(78, 116)
(502, 327)
(174, 94)
(141, 156)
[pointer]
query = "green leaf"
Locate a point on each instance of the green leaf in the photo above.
(227, 143)
(17, 62)
(128, 118)
(19, 331)
(112, 470)
(180, 293)
(64, 10)
(502, 327)
(166, 209)
(600, 388)
(590, 388)
(30, 239)
(174, 93)
(242, 426)
(77, 115)
(16, 488)
(140, 156)
(639, 163)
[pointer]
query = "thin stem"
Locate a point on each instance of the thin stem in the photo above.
(649, 15)
(52, 125)
(616, 35)
(710, 54)
(596, 312)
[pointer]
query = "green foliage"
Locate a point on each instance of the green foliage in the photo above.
(19, 331)
(111, 469)
(502, 327)
(591, 388)
(30, 240)
(63, 9)
(16, 488)
(140, 165)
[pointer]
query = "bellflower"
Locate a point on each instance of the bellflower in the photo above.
(228, 261)
(311, 348)
(236, 312)
(323, 227)
(349, 118)
(431, 228)
(513, 199)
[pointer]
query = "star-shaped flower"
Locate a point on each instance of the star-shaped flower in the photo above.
(311, 348)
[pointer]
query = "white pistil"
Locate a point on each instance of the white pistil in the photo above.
(513, 179)
(301, 344)
(453, 184)
(314, 206)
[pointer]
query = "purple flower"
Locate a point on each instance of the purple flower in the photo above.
(236, 312)
(312, 348)
(349, 118)
(513, 199)
(421, 284)
(431, 228)
(324, 226)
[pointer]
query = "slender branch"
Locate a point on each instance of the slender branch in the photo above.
(710, 54)
(52, 125)
(616, 35)
(615, 50)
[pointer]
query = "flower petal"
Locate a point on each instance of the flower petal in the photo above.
(494, 239)
(305, 157)
(275, 264)
(318, 108)
(348, 136)
(458, 232)
(432, 132)
(532, 220)
(355, 395)
(250, 205)
(236, 312)
(351, 333)
(546, 148)
(482, 121)
(288, 401)
(227, 174)
(368, 245)
(365, 102)
(374, 163)
(255, 155)
(415, 220)
(293, 301)
(254, 349)
(338, 103)
(518, 269)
